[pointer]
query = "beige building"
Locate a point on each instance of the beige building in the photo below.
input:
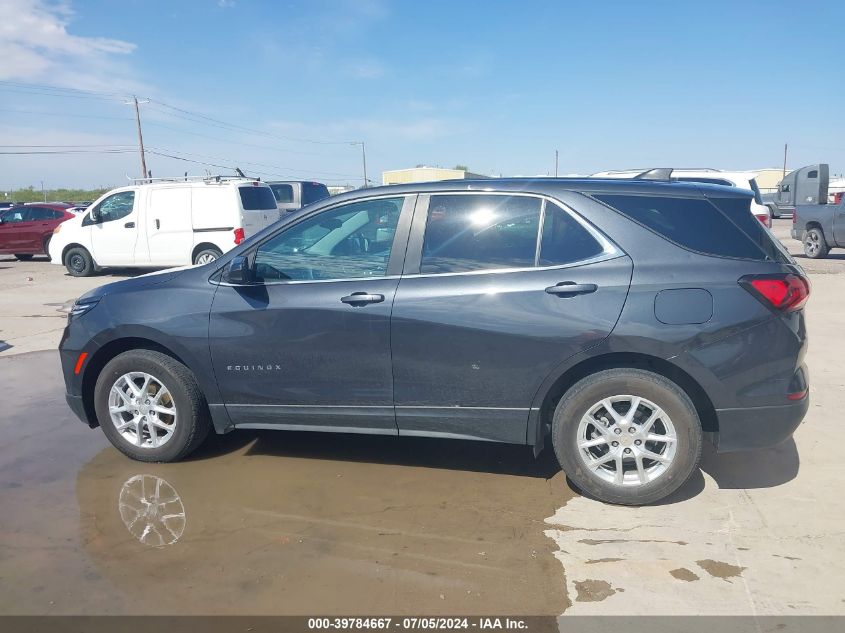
(768, 178)
(424, 174)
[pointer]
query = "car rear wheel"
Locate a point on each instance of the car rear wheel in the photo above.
(815, 246)
(79, 263)
(23, 257)
(150, 406)
(207, 255)
(627, 436)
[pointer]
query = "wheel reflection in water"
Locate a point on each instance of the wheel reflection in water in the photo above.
(151, 510)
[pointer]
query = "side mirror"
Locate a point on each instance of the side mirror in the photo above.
(95, 215)
(238, 272)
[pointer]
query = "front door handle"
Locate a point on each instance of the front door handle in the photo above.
(129, 225)
(362, 298)
(570, 289)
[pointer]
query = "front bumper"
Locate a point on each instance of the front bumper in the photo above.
(76, 405)
(758, 427)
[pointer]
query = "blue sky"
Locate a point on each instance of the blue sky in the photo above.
(497, 86)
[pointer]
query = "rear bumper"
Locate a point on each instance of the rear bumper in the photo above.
(758, 427)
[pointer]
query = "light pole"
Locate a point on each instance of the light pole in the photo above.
(43, 193)
(364, 159)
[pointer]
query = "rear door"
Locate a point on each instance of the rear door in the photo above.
(258, 207)
(308, 345)
(498, 291)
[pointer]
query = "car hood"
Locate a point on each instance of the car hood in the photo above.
(127, 285)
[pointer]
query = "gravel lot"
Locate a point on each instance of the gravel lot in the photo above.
(275, 522)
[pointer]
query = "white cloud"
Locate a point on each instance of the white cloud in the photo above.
(226, 4)
(37, 47)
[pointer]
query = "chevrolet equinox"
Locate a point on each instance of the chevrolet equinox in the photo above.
(622, 319)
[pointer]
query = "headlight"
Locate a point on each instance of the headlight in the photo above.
(80, 308)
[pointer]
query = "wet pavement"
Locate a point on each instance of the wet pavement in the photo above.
(266, 523)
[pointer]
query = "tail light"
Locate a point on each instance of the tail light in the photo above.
(784, 292)
(239, 236)
(764, 220)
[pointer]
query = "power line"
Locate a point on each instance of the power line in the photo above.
(66, 114)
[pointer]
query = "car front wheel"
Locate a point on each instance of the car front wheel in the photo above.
(627, 436)
(79, 263)
(150, 406)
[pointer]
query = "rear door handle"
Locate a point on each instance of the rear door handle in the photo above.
(129, 225)
(570, 288)
(361, 298)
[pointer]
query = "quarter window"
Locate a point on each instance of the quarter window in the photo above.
(346, 242)
(690, 222)
(565, 240)
(478, 232)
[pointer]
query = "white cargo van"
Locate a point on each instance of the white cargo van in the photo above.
(163, 223)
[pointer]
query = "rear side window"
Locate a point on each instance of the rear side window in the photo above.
(564, 239)
(313, 191)
(283, 193)
(478, 232)
(257, 198)
(692, 223)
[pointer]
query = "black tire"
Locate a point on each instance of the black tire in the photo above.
(815, 246)
(210, 254)
(193, 421)
(78, 262)
(23, 257)
(589, 391)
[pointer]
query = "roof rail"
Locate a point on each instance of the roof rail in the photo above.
(217, 178)
(658, 173)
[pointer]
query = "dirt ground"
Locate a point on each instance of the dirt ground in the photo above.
(298, 523)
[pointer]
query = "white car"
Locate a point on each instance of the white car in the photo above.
(741, 179)
(163, 223)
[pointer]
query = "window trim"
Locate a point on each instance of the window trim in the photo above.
(394, 263)
(413, 257)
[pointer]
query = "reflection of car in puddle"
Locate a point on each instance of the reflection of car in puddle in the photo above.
(151, 510)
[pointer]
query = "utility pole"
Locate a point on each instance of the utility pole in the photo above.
(364, 158)
(144, 173)
(556, 157)
(43, 192)
(785, 145)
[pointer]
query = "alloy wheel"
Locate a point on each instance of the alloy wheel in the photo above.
(142, 410)
(626, 440)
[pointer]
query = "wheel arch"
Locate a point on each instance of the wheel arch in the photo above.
(103, 355)
(201, 247)
(554, 387)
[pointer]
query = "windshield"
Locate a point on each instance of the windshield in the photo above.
(313, 191)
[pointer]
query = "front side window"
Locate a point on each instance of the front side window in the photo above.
(283, 193)
(346, 242)
(477, 232)
(565, 240)
(116, 206)
(13, 216)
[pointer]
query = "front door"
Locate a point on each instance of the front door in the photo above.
(114, 235)
(498, 291)
(307, 346)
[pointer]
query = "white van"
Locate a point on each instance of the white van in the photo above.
(163, 223)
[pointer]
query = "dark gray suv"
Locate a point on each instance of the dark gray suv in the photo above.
(624, 319)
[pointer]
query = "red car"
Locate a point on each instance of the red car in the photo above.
(26, 230)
